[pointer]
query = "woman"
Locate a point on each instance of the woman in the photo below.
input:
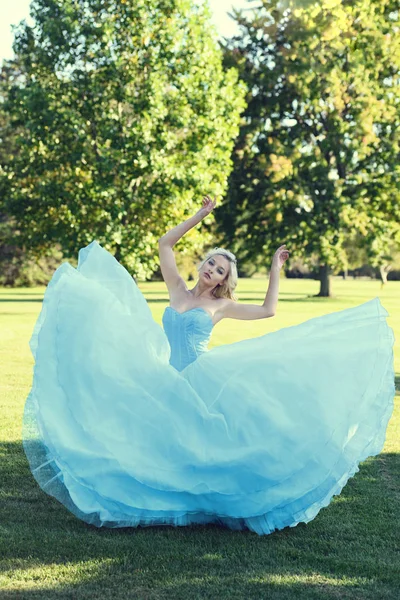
(129, 424)
(213, 292)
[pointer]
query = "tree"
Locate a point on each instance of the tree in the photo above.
(128, 120)
(317, 154)
(11, 256)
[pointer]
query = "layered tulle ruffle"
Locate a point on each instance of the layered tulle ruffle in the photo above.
(258, 435)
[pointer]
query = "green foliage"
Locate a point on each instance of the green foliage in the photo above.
(128, 120)
(12, 257)
(17, 268)
(317, 155)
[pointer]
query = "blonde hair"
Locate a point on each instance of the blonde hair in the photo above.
(225, 289)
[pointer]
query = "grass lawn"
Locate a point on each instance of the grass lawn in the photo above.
(351, 550)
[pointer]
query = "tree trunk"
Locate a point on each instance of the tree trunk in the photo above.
(118, 252)
(324, 280)
(383, 272)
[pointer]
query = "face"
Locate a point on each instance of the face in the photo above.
(215, 270)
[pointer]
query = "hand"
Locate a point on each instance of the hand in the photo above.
(208, 206)
(280, 256)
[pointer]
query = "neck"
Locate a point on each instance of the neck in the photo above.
(201, 290)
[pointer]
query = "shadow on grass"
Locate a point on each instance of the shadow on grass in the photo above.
(151, 299)
(349, 551)
(259, 297)
(249, 296)
(256, 293)
(12, 292)
(26, 299)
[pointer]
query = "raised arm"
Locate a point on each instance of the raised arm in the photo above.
(165, 244)
(235, 310)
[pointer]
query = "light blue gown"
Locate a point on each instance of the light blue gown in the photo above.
(130, 424)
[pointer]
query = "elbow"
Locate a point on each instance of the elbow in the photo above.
(165, 241)
(268, 312)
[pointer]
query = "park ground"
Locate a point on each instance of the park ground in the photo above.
(350, 551)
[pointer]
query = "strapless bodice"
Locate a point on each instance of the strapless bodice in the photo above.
(188, 334)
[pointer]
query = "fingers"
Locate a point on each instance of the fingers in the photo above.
(283, 252)
(209, 203)
(283, 249)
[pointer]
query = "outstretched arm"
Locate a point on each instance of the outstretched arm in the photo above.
(167, 241)
(235, 310)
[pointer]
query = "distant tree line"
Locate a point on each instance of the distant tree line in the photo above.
(316, 162)
(115, 119)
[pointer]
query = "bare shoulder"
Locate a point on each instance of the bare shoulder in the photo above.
(222, 308)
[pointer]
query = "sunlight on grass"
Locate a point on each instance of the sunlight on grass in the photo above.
(349, 551)
(312, 579)
(48, 575)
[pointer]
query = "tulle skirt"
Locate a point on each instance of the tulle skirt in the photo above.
(257, 435)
